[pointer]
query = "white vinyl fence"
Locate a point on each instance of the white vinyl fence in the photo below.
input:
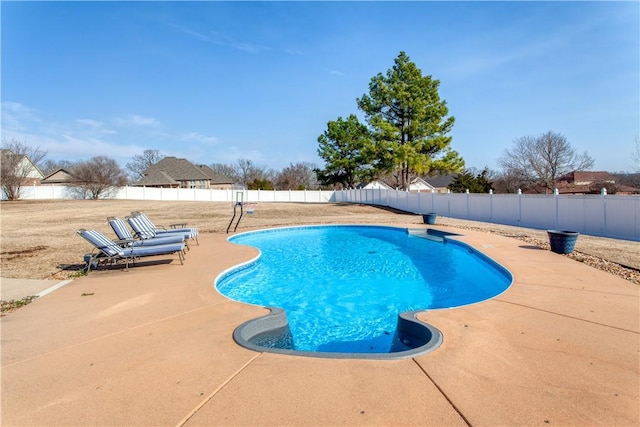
(40, 192)
(598, 215)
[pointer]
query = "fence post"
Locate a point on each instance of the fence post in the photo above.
(555, 196)
(433, 205)
(603, 193)
(519, 206)
(467, 192)
(491, 204)
(406, 198)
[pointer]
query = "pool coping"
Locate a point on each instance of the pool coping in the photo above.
(275, 324)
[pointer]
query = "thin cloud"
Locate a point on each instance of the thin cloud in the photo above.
(294, 52)
(135, 120)
(220, 39)
(198, 137)
(94, 126)
(84, 138)
(335, 73)
(17, 116)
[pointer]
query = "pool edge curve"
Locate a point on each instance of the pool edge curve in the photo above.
(274, 324)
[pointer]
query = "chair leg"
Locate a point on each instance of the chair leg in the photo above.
(90, 262)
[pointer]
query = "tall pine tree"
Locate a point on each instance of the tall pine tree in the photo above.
(409, 122)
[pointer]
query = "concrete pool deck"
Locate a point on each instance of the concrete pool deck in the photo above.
(153, 346)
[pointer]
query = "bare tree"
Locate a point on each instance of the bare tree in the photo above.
(141, 162)
(250, 173)
(18, 166)
(50, 166)
(226, 170)
(98, 175)
(506, 182)
(298, 176)
(543, 159)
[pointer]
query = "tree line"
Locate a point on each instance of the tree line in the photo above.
(404, 136)
(95, 176)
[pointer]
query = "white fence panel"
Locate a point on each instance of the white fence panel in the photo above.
(479, 207)
(441, 204)
(621, 214)
(505, 209)
(599, 215)
(55, 192)
(457, 205)
(537, 211)
(402, 201)
(413, 203)
(594, 216)
(571, 213)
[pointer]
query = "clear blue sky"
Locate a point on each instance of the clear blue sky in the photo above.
(214, 82)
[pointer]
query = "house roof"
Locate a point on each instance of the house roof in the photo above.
(60, 176)
(440, 181)
(216, 178)
(157, 177)
(587, 176)
(374, 185)
(419, 183)
(171, 170)
(178, 169)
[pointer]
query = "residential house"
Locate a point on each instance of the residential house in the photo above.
(25, 169)
(217, 181)
(60, 177)
(374, 185)
(439, 183)
(420, 185)
(587, 182)
(436, 184)
(173, 172)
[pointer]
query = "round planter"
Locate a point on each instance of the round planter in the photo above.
(429, 218)
(562, 241)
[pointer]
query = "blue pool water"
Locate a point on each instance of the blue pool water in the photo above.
(342, 287)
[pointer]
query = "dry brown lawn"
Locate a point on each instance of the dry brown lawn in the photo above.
(38, 238)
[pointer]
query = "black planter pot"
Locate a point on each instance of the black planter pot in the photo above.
(429, 218)
(562, 241)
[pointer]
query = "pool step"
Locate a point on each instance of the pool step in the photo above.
(424, 234)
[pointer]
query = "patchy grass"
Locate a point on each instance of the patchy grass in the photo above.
(49, 247)
(11, 305)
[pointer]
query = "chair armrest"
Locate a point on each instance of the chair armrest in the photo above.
(124, 242)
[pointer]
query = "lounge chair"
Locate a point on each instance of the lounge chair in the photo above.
(144, 228)
(107, 250)
(125, 238)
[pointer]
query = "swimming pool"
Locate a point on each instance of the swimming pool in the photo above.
(342, 288)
